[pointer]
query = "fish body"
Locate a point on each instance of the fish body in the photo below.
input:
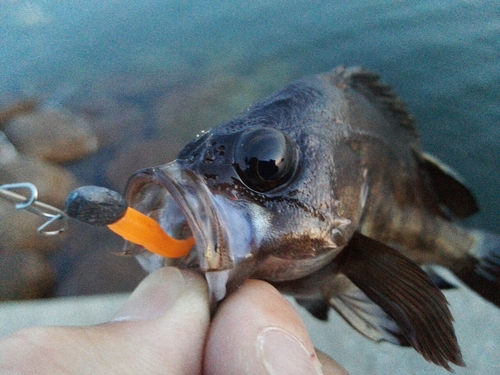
(323, 189)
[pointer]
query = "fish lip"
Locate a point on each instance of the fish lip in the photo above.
(224, 237)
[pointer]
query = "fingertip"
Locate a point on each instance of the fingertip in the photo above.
(329, 365)
(259, 332)
(158, 292)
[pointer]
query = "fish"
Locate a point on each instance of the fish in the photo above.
(323, 190)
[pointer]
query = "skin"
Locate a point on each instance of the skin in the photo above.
(165, 327)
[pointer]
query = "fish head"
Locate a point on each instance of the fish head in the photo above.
(254, 192)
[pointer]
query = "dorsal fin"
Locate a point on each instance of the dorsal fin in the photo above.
(368, 83)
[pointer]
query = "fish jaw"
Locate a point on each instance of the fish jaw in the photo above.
(227, 232)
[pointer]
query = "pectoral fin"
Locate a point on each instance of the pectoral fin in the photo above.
(328, 288)
(363, 314)
(404, 293)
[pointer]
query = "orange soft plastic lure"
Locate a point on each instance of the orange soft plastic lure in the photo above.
(140, 229)
(100, 206)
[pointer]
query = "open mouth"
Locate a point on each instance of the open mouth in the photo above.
(182, 204)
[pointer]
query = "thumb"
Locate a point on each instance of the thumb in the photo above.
(161, 292)
(166, 320)
(161, 327)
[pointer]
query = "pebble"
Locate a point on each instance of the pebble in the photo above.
(17, 108)
(54, 135)
(18, 229)
(95, 267)
(52, 181)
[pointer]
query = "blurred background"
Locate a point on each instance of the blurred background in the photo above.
(91, 91)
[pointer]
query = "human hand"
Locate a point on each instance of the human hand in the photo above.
(165, 328)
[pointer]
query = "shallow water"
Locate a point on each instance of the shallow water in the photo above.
(442, 57)
(204, 62)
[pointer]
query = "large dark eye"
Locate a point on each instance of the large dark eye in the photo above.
(265, 158)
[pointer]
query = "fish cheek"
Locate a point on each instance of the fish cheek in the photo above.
(292, 246)
(293, 257)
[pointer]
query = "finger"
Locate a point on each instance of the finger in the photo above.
(160, 329)
(330, 366)
(256, 331)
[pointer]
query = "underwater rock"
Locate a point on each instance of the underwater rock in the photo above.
(7, 150)
(100, 271)
(24, 275)
(134, 87)
(52, 135)
(187, 110)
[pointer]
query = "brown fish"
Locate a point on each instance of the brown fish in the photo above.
(323, 189)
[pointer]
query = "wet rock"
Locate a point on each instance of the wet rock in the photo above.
(133, 86)
(18, 231)
(52, 135)
(187, 110)
(18, 227)
(7, 150)
(17, 108)
(24, 275)
(53, 182)
(101, 272)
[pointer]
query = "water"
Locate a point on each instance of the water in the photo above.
(442, 57)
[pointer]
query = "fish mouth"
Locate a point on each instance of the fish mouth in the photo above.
(223, 229)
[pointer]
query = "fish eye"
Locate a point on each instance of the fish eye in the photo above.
(265, 158)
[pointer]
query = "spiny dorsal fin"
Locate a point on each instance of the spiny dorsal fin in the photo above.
(368, 83)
